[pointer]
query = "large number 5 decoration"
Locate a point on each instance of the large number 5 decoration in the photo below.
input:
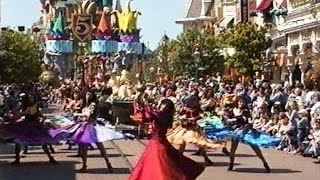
(82, 26)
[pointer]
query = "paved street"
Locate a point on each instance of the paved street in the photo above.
(35, 165)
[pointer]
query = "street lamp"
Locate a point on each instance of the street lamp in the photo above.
(197, 60)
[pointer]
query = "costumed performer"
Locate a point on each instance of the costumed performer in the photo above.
(29, 129)
(88, 130)
(141, 102)
(239, 129)
(160, 160)
(23, 99)
(189, 132)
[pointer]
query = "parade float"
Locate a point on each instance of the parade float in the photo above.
(95, 40)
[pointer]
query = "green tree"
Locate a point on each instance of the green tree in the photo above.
(249, 42)
(163, 55)
(19, 57)
(180, 58)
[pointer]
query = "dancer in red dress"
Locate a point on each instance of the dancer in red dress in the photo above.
(160, 160)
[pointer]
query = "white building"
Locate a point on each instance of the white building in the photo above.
(302, 29)
(197, 14)
(294, 26)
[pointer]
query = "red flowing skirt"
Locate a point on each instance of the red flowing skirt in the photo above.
(161, 161)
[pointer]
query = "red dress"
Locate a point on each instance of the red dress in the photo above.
(161, 161)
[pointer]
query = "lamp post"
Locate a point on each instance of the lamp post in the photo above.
(197, 60)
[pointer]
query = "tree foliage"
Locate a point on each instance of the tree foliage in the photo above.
(179, 54)
(250, 42)
(19, 57)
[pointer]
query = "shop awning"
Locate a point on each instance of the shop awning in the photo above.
(284, 4)
(265, 5)
(252, 6)
(226, 21)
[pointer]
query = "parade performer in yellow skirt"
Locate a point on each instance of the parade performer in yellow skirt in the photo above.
(187, 131)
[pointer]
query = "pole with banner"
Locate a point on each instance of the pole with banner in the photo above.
(244, 11)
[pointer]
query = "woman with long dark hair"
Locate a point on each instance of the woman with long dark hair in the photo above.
(189, 132)
(160, 160)
(238, 128)
(28, 130)
(88, 130)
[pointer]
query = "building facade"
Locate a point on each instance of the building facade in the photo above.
(302, 29)
(198, 14)
(293, 25)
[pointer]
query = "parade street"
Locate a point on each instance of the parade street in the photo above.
(35, 166)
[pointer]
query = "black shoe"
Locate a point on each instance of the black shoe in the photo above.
(317, 161)
(78, 155)
(25, 151)
(16, 162)
(208, 161)
(110, 168)
(225, 151)
(230, 168)
(52, 150)
(266, 166)
(83, 169)
(53, 161)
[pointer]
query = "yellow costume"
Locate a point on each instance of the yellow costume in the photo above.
(180, 135)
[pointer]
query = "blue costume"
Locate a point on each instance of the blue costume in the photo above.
(215, 129)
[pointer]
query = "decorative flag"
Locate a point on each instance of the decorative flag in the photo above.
(59, 25)
(103, 24)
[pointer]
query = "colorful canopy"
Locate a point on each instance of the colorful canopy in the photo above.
(252, 6)
(284, 4)
(265, 5)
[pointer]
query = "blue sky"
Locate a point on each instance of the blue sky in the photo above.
(158, 16)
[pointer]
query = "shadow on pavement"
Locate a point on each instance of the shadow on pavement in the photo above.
(99, 155)
(108, 155)
(38, 171)
(218, 164)
(262, 170)
(105, 171)
(190, 150)
(10, 157)
(237, 155)
(75, 148)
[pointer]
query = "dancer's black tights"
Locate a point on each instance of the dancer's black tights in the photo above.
(202, 151)
(18, 150)
(83, 148)
(26, 148)
(234, 146)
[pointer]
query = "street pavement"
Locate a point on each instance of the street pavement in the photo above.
(35, 166)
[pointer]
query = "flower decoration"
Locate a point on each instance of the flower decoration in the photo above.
(130, 37)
